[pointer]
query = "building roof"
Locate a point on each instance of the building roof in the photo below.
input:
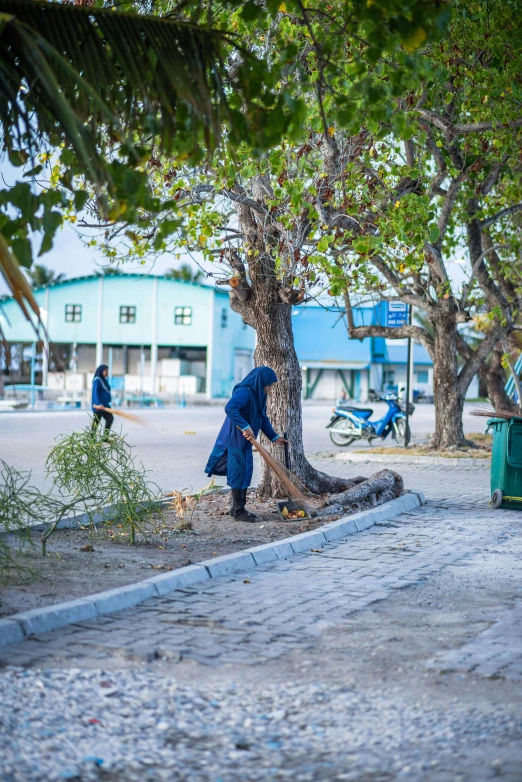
(122, 275)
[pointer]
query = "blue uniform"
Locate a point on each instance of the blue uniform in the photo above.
(101, 390)
(232, 452)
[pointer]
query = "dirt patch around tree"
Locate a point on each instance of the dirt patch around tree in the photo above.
(87, 560)
(482, 449)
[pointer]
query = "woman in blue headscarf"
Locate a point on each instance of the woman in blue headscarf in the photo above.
(232, 453)
(101, 397)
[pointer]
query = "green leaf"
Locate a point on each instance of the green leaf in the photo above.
(34, 171)
(322, 245)
(21, 247)
(434, 234)
(80, 199)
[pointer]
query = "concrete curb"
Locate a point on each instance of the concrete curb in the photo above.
(17, 627)
(398, 459)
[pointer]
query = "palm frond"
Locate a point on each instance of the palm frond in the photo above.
(91, 79)
(73, 73)
(19, 286)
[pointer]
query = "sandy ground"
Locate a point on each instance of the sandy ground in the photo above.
(88, 560)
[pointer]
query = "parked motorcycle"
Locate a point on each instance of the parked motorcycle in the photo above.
(350, 423)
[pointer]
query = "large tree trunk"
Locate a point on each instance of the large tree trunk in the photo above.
(495, 379)
(275, 348)
(449, 402)
(265, 304)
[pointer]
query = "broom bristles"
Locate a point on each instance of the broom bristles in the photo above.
(280, 471)
(490, 413)
(128, 416)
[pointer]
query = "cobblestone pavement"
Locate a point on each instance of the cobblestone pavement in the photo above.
(395, 654)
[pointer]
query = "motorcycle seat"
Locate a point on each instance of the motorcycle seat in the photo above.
(352, 409)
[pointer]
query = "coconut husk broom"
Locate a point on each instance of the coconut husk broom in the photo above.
(484, 412)
(122, 414)
(283, 474)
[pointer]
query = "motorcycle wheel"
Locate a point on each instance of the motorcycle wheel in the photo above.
(401, 433)
(341, 433)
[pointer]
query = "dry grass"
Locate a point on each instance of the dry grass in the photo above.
(483, 451)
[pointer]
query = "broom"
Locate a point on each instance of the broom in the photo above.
(121, 414)
(293, 492)
(484, 412)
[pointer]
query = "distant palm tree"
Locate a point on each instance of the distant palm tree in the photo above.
(185, 273)
(108, 271)
(41, 276)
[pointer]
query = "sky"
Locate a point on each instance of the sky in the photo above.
(69, 254)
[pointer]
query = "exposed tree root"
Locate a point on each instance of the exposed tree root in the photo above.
(381, 487)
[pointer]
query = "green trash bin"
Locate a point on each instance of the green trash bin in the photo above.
(506, 463)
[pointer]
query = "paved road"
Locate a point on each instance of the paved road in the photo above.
(393, 655)
(176, 459)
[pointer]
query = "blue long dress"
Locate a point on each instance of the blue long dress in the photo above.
(232, 453)
(101, 390)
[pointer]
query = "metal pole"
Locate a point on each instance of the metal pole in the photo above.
(110, 366)
(33, 365)
(142, 368)
(408, 376)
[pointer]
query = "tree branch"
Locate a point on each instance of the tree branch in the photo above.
(492, 178)
(467, 287)
(401, 332)
(509, 210)
(451, 130)
(246, 201)
(475, 361)
(495, 265)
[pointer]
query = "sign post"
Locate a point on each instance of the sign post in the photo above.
(399, 314)
(408, 388)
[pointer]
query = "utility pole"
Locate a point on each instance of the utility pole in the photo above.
(408, 383)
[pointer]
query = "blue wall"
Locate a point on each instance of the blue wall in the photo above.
(321, 336)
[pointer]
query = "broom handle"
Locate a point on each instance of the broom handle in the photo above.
(259, 448)
(287, 453)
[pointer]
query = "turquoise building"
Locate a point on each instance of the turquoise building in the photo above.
(164, 337)
(331, 362)
(156, 334)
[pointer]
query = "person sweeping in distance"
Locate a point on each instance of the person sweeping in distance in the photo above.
(232, 453)
(101, 398)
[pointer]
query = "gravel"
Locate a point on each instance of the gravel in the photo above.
(136, 725)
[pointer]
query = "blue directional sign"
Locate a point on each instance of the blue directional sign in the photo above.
(396, 314)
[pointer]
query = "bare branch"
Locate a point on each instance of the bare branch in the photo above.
(476, 359)
(401, 332)
(245, 201)
(451, 130)
(495, 264)
(492, 178)
(509, 210)
(463, 349)
(447, 207)
(409, 148)
(434, 258)
(467, 287)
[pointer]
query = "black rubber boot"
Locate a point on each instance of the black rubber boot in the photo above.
(245, 515)
(238, 501)
(238, 510)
